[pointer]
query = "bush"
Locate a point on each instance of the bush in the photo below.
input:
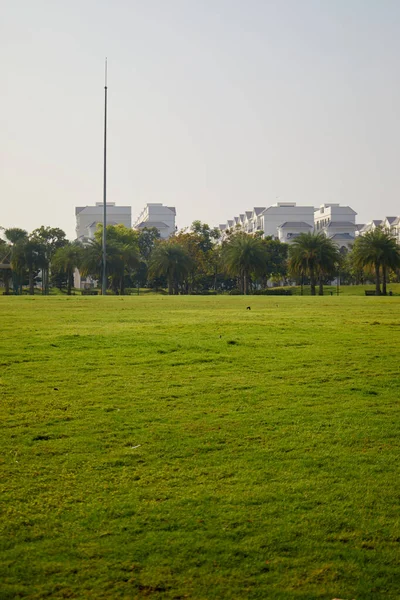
(273, 292)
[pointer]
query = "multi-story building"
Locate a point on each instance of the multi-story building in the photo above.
(283, 220)
(88, 217)
(289, 230)
(389, 224)
(289, 218)
(286, 220)
(159, 216)
(395, 229)
(336, 222)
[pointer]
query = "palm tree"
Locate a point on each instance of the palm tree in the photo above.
(313, 255)
(33, 258)
(243, 254)
(50, 238)
(67, 259)
(124, 258)
(328, 261)
(17, 237)
(171, 260)
(5, 265)
(377, 249)
(121, 258)
(92, 259)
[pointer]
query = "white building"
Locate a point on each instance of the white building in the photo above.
(336, 222)
(289, 230)
(389, 224)
(395, 228)
(283, 220)
(159, 216)
(88, 217)
(297, 219)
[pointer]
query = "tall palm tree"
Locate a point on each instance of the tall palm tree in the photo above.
(242, 255)
(379, 250)
(92, 259)
(121, 258)
(67, 259)
(171, 260)
(17, 237)
(314, 255)
(328, 261)
(5, 265)
(124, 258)
(34, 259)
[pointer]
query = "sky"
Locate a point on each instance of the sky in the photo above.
(214, 106)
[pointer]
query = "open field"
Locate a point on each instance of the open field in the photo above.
(185, 447)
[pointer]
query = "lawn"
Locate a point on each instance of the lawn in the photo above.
(185, 447)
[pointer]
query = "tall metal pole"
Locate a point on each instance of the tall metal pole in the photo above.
(104, 277)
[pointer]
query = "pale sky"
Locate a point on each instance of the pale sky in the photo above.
(215, 106)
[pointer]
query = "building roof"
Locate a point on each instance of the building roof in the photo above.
(360, 226)
(222, 226)
(341, 224)
(390, 220)
(249, 214)
(377, 222)
(342, 236)
(258, 209)
(156, 224)
(100, 222)
(294, 224)
(322, 207)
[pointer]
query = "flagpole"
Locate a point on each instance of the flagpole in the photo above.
(104, 275)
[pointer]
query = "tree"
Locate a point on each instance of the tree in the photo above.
(122, 256)
(328, 261)
(243, 255)
(51, 239)
(17, 237)
(377, 249)
(66, 259)
(147, 238)
(5, 265)
(315, 256)
(171, 260)
(276, 257)
(34, 258)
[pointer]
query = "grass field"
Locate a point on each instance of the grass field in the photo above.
(183, 447)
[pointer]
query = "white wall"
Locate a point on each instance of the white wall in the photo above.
(86, 215)
(158, 213)
(333, 212)
(286, 234)
(276, 215)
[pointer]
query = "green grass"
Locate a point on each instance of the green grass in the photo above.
(344, 290)
(189, 448)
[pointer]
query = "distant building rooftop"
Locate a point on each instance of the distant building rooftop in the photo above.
(295, 224)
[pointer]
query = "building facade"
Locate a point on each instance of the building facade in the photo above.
(286, 220)
(88, 217)
(159, 216)
(389, 224)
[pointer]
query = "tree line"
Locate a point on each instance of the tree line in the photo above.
(193, 261)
